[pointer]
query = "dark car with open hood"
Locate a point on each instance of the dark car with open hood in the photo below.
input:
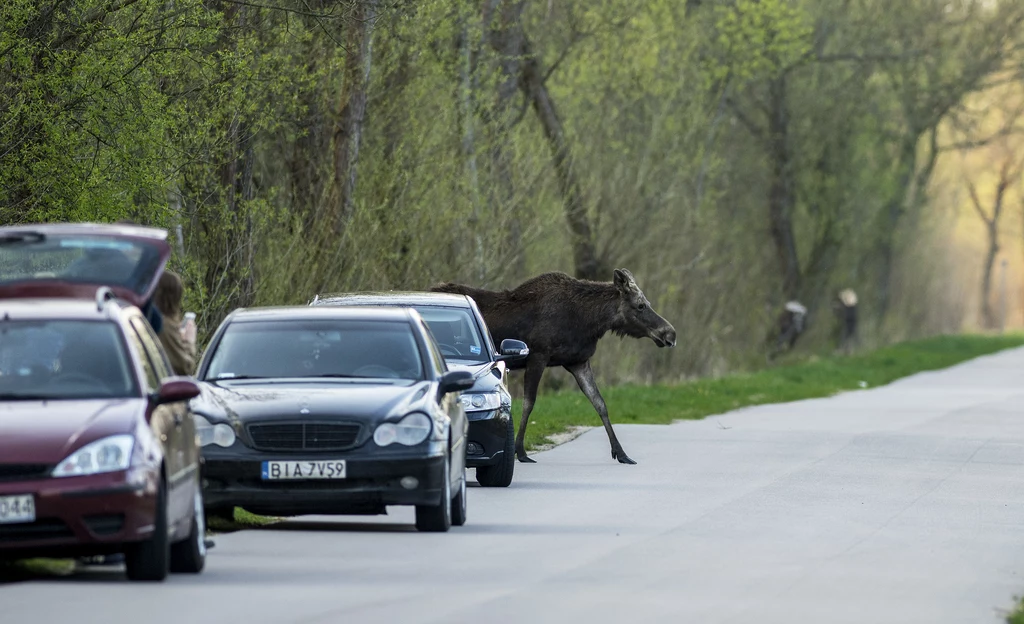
(465, 342)
(98, 452)
(332, 411)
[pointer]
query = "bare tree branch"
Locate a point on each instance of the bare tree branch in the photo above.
(976, 203)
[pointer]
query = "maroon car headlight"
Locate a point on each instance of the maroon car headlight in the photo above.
(104, 455)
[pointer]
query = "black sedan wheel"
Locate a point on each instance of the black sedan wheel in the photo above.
(150, 560)
(500, 474)
(459, 503)
(438, 518)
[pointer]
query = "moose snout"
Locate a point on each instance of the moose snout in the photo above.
(664, 337)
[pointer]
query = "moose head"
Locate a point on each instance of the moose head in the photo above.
(636, 317)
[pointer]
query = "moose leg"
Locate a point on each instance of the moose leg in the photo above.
(585, 378)
(531, 382)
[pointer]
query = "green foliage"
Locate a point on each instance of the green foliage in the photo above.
(1017, 615)
(89, 108)
(226, 119)
(757, 38)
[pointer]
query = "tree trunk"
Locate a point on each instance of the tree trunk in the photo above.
(352, 111)
(781, 197)
(906, 165)
(507, 41)
(1008, 175)
(467, 91)
(987, 314)
(531, 82)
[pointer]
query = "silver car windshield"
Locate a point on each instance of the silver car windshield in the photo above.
(63, 359)
(316, 348)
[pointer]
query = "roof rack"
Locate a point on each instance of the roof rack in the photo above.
(103, 295)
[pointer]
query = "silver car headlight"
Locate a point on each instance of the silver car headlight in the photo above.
(409, 431)
(481, 402)
(208, 433)
(108, 454)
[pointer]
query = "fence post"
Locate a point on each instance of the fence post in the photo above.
(1002, 296)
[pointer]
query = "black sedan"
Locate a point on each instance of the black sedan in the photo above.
(465, 342)
(332, 411)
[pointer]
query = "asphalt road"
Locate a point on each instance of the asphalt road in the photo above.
(897, 504)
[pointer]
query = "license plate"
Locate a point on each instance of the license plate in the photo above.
(16, 509)
(289, 470)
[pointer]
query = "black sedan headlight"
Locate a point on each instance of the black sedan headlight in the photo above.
(208, 433)
(480, 401)
(409, 431)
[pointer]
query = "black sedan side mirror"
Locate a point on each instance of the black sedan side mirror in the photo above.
(513, 350)
(456, 381)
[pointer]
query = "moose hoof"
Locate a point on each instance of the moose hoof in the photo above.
(523, 459)
(623, 458)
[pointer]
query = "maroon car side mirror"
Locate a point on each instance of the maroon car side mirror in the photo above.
(176, 389)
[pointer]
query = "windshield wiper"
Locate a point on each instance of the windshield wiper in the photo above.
(234, 377)
(12, 396)
(339, 376)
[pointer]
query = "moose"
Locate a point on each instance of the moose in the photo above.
(562, 318)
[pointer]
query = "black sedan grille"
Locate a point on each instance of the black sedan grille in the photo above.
(302, 436)
(24, 472)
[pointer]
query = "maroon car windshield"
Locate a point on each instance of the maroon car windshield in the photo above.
(63, 359)
(35, 259)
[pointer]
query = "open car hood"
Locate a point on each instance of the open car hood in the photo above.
(72, 260)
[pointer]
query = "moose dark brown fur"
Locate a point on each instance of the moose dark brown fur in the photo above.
(561, 318)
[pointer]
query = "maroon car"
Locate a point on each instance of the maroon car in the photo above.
(98, 448)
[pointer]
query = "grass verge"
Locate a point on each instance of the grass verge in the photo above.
(25, 569)
(1017, 615)
(240, 519)
(557, 413)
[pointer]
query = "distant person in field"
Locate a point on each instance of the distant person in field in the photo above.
(845, 307)
(789, 326)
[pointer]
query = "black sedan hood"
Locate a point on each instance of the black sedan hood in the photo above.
(484, 379)
(244, 402)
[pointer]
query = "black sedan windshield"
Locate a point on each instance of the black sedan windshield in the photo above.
(455, 333)
(54, 360)
(316, 348)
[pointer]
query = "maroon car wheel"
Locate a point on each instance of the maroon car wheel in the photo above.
(149, 560)
(189, 555)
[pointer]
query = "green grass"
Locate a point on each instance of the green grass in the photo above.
(241, 519)
(35, 568)
(816, 377)
(1017, 615)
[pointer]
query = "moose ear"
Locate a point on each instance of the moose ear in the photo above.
(624, 280)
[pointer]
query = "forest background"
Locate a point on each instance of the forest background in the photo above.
(733, 154)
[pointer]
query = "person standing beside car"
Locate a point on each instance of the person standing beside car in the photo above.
(177, 336)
